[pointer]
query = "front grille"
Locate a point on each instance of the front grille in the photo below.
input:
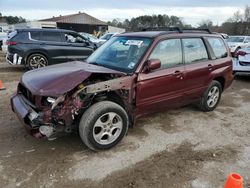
(26, 93)
(242, 63)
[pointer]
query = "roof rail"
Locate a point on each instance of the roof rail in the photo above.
(176, 29)
(163, 29)
(197, 30)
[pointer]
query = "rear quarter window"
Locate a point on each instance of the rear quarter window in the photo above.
(218, 47)
(20, 36)
(51, 36)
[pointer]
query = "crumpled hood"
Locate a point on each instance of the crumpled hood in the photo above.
(58, 79)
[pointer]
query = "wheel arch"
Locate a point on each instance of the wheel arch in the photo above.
(115, 97)
(221, 80)
(36, 52)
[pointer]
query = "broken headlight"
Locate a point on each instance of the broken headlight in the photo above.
(51, 100)
(57, 101)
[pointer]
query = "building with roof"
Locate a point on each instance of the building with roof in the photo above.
(80, 22)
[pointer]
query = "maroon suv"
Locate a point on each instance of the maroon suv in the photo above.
(130, 76)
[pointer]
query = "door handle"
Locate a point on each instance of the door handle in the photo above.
(178, 74)
(210, 67)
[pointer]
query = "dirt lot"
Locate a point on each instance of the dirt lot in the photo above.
(177, 148)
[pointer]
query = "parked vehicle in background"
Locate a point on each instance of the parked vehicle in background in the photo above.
(3, 39)
(97, 42)
(35, 48)
(242, 64)
(130, 76)
(224, 35)
(106, 37)
(236, 43)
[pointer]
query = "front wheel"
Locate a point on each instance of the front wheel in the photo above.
(37, 60)
(211, 97)
(103, 125)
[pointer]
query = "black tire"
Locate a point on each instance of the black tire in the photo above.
(36, 60)
(203, 104)
(89, 120)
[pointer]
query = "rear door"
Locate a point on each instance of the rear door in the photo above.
(162, 88)
(197, 67)
(78, 47)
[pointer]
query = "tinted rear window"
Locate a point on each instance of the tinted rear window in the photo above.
(51, 36)
(20, 36)
(218, 47)
(12, 34)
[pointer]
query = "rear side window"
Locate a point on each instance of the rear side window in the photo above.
(12, 34)
(218, 47)
(194, 50)
(169, 52)
(51, 36)
(35, 35)
(19, 36)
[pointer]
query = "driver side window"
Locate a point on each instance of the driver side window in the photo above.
(71, 38)
(169, 52)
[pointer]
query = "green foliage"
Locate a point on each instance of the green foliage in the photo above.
(238, 24)
(136, 24)
(12, 19)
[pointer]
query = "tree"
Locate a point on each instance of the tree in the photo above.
(12, 19)
(205, 24)
(146, 21)
(238, 24)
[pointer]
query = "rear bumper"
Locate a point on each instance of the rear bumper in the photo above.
(23, 111)
(14, 59)
(238, 67)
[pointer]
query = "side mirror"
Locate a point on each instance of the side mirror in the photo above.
(153, 64)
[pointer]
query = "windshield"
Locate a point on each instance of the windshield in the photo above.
(236, 39)
(106, 36)
(120, 53)
(89, 36)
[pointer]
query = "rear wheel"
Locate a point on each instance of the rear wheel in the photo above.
(37, 60)
(211, 97)
(103, 125)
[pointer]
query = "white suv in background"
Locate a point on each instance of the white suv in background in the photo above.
(237, 42)
(242, 64)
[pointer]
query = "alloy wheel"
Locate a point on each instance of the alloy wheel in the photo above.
(107, 128)
(37, 61)
(213, 96)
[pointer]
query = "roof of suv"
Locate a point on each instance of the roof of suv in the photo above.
(153, 34)
(51, 30)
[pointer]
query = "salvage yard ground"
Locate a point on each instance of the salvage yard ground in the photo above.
(177, 148)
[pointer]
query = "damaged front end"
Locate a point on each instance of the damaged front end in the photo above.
(46, 116)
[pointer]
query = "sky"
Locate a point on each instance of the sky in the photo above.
(191, 11)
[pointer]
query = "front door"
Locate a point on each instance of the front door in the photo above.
(78, 48)
(162, 88)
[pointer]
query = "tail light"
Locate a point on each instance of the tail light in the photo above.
(9, 43)
(241, 53)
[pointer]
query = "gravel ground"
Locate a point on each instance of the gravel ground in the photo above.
(177, 148)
